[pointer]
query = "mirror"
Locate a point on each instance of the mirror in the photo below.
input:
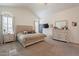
(61, 24)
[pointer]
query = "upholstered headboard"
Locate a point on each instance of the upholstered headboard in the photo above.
(22, 28)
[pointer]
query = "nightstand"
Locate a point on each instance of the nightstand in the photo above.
(9, 38)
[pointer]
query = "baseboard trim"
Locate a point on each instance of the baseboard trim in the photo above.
(60, 40)
(74, 43)
(66, 41)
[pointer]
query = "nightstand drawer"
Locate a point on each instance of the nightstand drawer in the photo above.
(12, 37)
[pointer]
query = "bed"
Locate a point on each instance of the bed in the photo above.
(29, 38)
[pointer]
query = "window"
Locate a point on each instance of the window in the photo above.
(7, 25)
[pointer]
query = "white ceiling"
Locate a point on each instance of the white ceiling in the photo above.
(43, 10)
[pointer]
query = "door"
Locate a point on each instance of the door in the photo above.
(40, 28)
(37, 26)
(7, 27)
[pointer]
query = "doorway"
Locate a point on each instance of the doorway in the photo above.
(37, 26)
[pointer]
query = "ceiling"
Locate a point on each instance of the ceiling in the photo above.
(43, 10)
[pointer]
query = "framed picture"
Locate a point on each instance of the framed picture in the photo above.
(74, 23)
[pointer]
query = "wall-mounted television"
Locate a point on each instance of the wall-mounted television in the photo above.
(46, 25)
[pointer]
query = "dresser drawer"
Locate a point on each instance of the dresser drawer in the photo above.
(9, 37)
(60, 34)
(12, 37)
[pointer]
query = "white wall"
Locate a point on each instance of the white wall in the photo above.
(22, 16)
(71, 15)
(0, 32)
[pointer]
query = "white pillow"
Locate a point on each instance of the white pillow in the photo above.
(25, 32)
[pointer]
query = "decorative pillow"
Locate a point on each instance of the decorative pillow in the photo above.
(25, 32)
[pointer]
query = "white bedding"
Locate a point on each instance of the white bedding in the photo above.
(25, 39)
